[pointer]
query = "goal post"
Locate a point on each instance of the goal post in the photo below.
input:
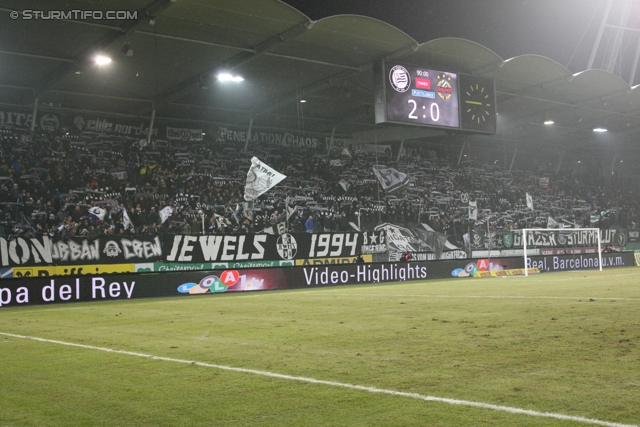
(530, 231)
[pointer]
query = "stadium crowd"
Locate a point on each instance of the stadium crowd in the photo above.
(49, 182)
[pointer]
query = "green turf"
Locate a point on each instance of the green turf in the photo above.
(562, 343)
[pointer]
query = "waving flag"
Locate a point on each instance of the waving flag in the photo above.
(390, 179)
(473, 210)
(97, 213)
(126, 221)
(260, 179)
(165, 213)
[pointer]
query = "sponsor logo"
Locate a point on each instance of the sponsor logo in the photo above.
(423, 83)
(399, 78)
(423, 93)
(219, 284)
(322, 261)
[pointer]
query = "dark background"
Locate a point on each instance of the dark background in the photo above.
(564, 31)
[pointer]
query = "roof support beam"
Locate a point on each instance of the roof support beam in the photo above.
(31, 55)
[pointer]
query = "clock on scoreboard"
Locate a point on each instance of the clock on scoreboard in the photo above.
(422, 96)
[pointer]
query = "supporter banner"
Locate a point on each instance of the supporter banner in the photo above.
(183, 134)
(580, 262)
(339, 142)
(284, 139)
(258, 247)
(107, 250)
(120, 126)
(633, 236)
(563, 237)
(25, 251)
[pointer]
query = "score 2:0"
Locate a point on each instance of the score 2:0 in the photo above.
(434, 110)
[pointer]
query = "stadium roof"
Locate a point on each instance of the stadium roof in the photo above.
(180, 46)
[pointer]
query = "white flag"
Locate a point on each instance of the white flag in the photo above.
(260, 179)
(529, 201)
(165, 213)
(125, 220)
(552, 223)
(473, 210)
(344, 184)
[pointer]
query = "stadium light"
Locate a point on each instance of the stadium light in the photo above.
(549, 122)
(600, 130)
(102, 60)
(228, 77)
(303, 100)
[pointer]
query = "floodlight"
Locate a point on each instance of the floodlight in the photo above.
(549, 122)
(303, 100)
(600, 130)
(228, 77)
(102, 60)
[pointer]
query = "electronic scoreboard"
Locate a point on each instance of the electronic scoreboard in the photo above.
(422, 96)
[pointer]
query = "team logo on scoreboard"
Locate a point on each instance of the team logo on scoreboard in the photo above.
(444, 86)
(399, 78)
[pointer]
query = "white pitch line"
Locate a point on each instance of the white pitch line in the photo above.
(480, 296)
(508, 409)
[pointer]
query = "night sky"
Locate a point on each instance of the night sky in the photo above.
(563, 30)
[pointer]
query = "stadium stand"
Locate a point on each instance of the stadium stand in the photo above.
(51, 181)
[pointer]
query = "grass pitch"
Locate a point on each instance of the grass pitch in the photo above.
(564, 343)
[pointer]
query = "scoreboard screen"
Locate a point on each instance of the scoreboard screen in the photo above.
(422, 96)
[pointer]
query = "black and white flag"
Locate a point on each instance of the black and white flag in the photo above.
(529, 201)
(260, 179)
(390, 179)
(473, 210)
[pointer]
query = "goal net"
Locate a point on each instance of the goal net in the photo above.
(571, 242)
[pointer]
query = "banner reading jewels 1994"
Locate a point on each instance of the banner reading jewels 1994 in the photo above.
(256, 247)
